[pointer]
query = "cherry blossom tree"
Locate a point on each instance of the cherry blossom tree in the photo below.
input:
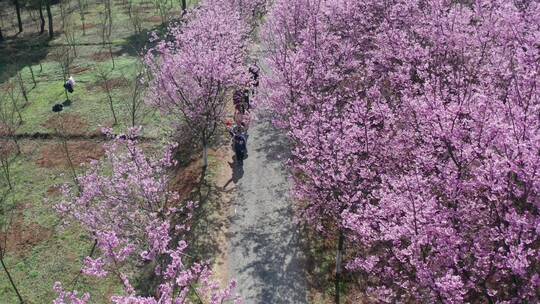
(195, 68)
(125, 203)
(415, 134)
(250, 10)
(318, 86)
(461, 209)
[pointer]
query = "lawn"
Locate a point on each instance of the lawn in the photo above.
(40, 250)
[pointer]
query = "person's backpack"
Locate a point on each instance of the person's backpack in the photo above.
(68, 87)
(237, 97)
(240, 141)
(254, 70)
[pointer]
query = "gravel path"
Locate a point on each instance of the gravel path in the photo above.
(264, 252)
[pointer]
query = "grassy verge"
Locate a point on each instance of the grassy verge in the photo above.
(39, 250)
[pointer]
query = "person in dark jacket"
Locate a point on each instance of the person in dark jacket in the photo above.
(70, 84)
(254, 70)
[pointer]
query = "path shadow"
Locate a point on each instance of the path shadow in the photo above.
(18, 53)
(237, 172)
(275, 147)
(270, 264)
(278, 271)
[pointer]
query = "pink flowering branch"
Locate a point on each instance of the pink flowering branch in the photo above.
(193, 72)
(126, 204)
(414, 129)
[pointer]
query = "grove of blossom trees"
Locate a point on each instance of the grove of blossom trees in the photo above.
(193, 70)
(124, 202)
(415, 140)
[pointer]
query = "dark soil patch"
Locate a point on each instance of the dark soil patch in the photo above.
(67, 124)
(7, 149)
(113, 83)
(154, 19)
(7, 85)
(79, 70)
(146, 7)
(80, 152)
(88, 26)
(54, 191)
(100, 56)
(186, 179)
(5, 130)
(21, 237)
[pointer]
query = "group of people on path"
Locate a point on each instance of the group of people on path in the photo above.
(242, 112)
(242, 115)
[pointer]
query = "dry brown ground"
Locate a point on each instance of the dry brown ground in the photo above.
(22, 236)
(67, 123)
(113, 83)
(100, 56)
(53, 155)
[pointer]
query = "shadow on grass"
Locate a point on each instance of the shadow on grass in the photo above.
(138, 43)
(24, 50)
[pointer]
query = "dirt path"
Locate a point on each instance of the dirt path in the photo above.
(264, 253)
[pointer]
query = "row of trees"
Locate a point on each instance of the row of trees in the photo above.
(415, 133)
(124, 200)
(192, 74)
(34, 5)
(138, 223)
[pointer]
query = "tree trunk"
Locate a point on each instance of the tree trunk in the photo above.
(68, 158)
(32, 74)
(133, 111)
(50, 17)
(112, 108)
(184, 6)
(111, 54)
(42, 19)
(11, 281)
(1, 36)
(205, 155)
(5, 168)
(18, 10)
(339, 256)
(14, 102)
(23, 88)
(83, 25)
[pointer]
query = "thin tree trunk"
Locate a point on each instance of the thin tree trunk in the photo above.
(83, 27)
(42, 19)
(14, 103)
(16, 141)
(205, 155)
(50, 17)
(184, 6)
(65, 78)
(133, 110)
(5, 168)
(70, 162)
(22, 87)
(11, 281)
(18, 9)
(339, 256)
(1, 35)
(111, 54)
(110, 101)
(82, 13)
(32, 74)
(76, 279)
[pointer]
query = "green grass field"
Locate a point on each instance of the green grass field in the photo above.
(39, 250)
